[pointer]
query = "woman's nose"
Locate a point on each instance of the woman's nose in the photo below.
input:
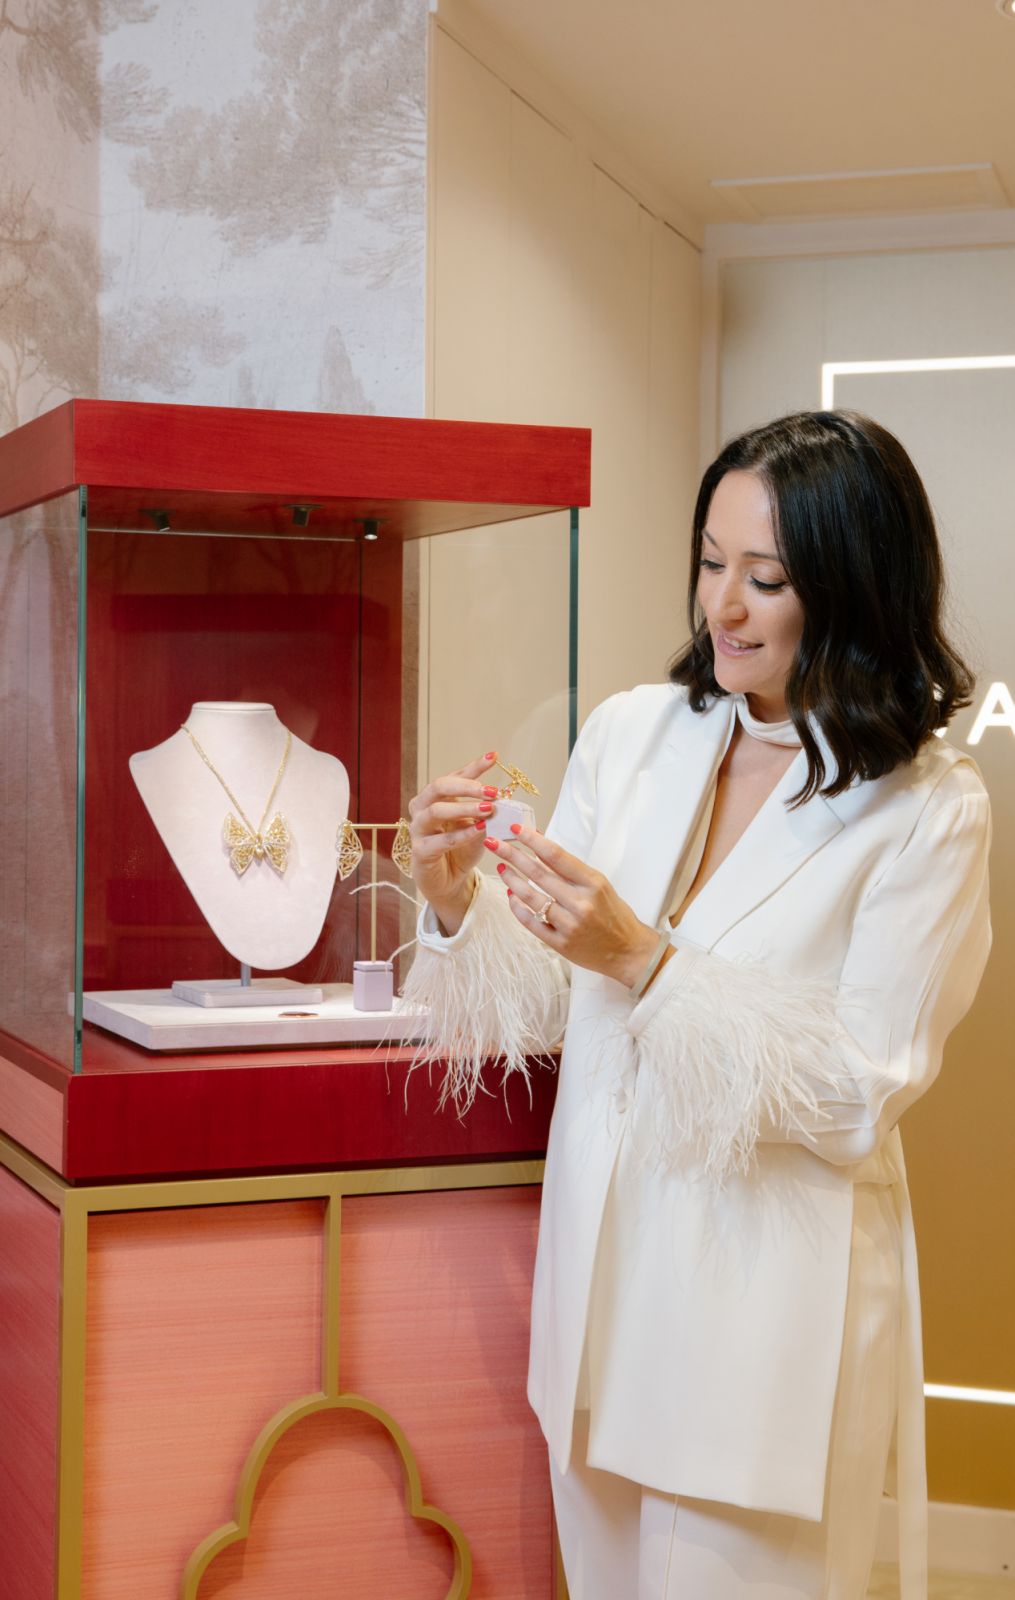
(731, 602)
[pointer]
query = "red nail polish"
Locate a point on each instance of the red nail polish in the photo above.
(490, 754)
(516, 827)
(510, 891)
(492, 844)
(480, 827)
(502, 866)
(488, 789)
(484, 807)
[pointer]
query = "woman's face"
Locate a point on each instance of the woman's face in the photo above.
(754, 617)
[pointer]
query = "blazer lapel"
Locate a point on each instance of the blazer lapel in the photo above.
(773, 846)
(668, 793)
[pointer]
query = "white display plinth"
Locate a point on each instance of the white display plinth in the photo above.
(154, 1019)
(258, 992)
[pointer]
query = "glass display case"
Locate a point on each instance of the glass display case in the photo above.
(368, 597)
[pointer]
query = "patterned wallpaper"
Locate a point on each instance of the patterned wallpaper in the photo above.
(213, 204)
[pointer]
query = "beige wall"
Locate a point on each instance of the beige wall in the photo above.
(556, 297)
(780, 320)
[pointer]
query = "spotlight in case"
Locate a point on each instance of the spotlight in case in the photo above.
(1006, 8)
(301, 513)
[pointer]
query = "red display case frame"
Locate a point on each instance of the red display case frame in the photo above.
(232, 470)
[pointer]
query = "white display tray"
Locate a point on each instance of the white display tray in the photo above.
(154, 1019)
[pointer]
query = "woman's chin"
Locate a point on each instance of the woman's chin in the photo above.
(731, 676)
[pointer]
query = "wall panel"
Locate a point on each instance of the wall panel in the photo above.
(29, 1381)
(202, 1323)
(559, 298)
(435, 1330)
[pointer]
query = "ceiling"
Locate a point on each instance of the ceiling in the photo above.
(691, 92)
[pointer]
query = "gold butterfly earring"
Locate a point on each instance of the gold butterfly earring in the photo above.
(350, 849)
(401, 849)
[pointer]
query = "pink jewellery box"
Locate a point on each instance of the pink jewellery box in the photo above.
(373, 985)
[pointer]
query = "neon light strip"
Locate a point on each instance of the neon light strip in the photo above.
(830, 370)
(952, 1391)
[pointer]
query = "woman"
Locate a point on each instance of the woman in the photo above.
(761, 906)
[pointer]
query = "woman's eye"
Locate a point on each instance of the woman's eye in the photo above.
(764, 588)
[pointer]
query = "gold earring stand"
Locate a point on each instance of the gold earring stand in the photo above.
(371, 852)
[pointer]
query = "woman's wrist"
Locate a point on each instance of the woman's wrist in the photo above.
(451, 913)
(668, 952)
(638, 956)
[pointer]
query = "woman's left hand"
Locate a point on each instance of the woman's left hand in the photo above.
(587, 922)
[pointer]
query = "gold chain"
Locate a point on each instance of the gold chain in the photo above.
(216, 774)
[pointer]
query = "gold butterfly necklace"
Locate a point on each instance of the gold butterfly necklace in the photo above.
(244, 842)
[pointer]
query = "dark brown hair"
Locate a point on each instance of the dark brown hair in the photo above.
(856, 535)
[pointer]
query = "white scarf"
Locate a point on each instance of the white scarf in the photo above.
(769, 732)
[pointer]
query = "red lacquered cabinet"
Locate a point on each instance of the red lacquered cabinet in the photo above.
(253, 1272)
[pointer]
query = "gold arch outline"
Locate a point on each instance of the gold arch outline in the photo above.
(271, 1434)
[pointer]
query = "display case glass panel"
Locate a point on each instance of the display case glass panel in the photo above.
(39, 809)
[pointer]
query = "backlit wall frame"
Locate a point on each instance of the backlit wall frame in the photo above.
(994, 708)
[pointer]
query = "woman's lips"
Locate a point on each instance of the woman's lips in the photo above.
(729, 647)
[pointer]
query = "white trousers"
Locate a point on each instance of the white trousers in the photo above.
(621, 1541)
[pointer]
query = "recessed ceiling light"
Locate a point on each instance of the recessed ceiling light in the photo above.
(1006, 8)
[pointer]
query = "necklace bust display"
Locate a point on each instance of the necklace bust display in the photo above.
(264, 890)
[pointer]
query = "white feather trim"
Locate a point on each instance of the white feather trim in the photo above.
(493, 993)
(726, 1049)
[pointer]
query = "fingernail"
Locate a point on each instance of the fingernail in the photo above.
(484, 806)
(480, 827)
(516, 827)
(510, 891)
(492, 844)
(489, 789)
(502, 866)
(490, 754)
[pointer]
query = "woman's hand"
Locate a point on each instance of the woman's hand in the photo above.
(588, 922)
(447, 829)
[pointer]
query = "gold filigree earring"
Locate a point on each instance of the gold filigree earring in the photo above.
(401, 849)
(350, 849)
(519, 780)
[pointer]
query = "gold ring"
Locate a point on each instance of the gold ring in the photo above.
(543, 915)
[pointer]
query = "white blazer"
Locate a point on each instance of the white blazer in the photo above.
(820, 970)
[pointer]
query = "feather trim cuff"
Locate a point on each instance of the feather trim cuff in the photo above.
(728, 1050)
(493, 992)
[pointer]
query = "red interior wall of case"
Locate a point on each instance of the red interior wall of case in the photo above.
(314, 629)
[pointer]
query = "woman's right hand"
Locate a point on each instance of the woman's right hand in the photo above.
(447, 827)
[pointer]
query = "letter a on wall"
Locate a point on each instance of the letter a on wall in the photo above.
(997, 711)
